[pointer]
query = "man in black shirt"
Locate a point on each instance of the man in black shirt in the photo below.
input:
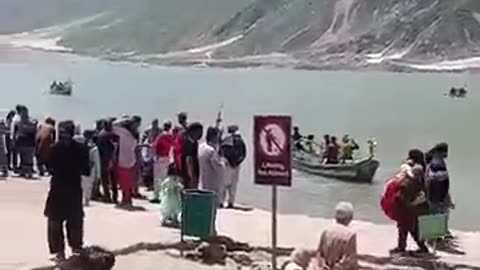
(25, 132)
(106, 141)
(66, 162)
(190, 168)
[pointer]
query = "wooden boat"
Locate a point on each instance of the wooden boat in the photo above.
(359, 171)
(61, 88)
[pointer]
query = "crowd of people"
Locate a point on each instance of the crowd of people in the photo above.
(330, 150)
(95, 164)
(420, 187)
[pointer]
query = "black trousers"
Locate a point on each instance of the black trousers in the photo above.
(41, 166)
(26, 154)
(56, 238)
(109, 184)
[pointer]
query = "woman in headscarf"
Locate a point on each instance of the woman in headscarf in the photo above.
(410, 201)
(438, 180)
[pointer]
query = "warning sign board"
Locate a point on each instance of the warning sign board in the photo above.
(272, 150)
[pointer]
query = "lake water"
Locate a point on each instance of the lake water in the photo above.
(400, 110)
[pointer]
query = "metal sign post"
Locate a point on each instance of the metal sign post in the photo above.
(273, 157)
(274, 227)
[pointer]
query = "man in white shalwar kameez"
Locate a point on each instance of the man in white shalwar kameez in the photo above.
(212, 166)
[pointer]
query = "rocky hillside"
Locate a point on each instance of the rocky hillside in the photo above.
(294, 33)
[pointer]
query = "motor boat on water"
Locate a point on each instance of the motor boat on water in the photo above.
(61, 88)
(460, 92)
(357, 171)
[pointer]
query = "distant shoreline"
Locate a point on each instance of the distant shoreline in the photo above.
(37, 40)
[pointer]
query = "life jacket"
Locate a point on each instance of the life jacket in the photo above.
(234, 150)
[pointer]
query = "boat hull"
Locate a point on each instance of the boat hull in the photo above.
(361, 171)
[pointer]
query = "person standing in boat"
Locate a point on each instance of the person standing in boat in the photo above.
(324, 145)
(234, 150)
(332, 153)
(310, 144)
(297, 138)
(348, 147)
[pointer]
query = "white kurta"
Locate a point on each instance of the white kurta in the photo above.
(212, 169)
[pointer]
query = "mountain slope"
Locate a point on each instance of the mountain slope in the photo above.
(294, 33)
(25, 15)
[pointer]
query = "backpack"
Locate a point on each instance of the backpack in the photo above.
(233, 149)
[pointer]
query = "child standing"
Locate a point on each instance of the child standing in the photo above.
(171, 198)
(95, 172)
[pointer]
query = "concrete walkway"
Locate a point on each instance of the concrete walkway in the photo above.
(23, 231)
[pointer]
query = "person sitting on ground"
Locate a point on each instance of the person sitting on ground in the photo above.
(338, 245)
(299, 259)
(333, 152)
(91, 258)
(171, 198)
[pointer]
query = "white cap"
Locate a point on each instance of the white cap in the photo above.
(344, 210)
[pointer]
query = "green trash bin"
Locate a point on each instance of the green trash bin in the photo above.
(198, 213)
